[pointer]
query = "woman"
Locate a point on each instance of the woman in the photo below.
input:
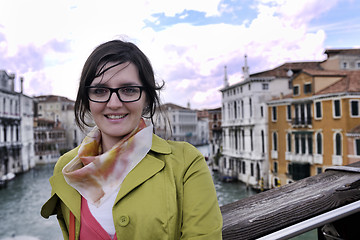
(123, 181)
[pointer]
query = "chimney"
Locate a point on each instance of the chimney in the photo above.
(245, 69)
(11, 83)
(226, 82)
(21, 84)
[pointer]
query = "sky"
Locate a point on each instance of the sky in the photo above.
(188, 42)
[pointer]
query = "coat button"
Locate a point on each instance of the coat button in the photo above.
(124, 220)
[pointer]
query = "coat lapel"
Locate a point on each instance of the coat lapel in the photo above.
(146, 168)
(70, 197)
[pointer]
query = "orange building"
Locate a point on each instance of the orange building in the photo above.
(315, 127)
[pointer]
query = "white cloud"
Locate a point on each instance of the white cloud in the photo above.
(58, 36)
(171, 8)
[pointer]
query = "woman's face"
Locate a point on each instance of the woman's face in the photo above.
(114, 118)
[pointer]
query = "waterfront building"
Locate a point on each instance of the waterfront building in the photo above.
(245, 154)
(244, 121)
(10, 145)
(316, 126)
(16, 143)
(177, 123)
(215, 131)
(50, 140)
(26, 129)
(202, 131)
(60, 110)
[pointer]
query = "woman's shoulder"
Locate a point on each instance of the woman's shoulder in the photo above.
(172, 147)
(65, 159)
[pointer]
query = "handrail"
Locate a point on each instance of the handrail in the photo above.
(314, 222)
(290, 206)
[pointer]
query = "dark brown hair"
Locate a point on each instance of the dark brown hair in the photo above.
(116, 51)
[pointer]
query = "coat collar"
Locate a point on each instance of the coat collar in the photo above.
(159, 145)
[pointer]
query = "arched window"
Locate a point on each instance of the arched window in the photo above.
(275, 143)
(319, 143)
(338, 144)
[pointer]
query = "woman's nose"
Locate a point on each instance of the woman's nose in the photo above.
(114, 101)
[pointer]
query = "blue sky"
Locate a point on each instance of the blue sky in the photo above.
(188, 42)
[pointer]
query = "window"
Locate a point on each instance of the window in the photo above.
(319, 143)
(288, 112)
(5, 135)
(307, 88)
(318, 170)
(357, 147)
(275, 167)
(251, 140)
(252, 169)
(318, 110)
(265, 86)
(344, 65)
(354, 108)
(274, 114)
(358, 65)
(243, 167)
(275, 141)
(336, 108)
(262, 111)
(296, 90)
(288, 140)
(242, 108)
(338, 144)
(297, 144)
(236, 140)
(243, 139)
(250, 103)
(262, 141)
(303, 143)
(310, 144)
(235, 110)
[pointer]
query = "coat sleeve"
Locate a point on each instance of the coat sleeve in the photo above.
(201, 212)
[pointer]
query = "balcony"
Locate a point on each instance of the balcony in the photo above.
(274, 154)
(302, 122)
(318, 159)
(337, 160)
(303, 158)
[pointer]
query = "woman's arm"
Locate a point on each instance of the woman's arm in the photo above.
(201, 213)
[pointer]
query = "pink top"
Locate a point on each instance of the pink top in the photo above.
(90, 228)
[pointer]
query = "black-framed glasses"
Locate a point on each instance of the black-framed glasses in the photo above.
(125, 94)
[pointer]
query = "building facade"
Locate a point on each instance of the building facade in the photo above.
(60, 110)
(244, 123)
(16, 142)
(50, 140)
(245, 116)
(177, 123)
(314, 127)
(27, 131)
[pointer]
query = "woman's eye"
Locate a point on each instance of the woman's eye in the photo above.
(99, 91)
(129, 90)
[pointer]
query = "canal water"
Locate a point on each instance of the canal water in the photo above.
(22, 198)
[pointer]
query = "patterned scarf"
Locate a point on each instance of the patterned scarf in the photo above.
(96, 176)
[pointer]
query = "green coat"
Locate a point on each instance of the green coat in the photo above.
(168, 195)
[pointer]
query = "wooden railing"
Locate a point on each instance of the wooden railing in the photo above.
(283, 207)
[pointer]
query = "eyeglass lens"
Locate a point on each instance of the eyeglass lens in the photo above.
(125, 94)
